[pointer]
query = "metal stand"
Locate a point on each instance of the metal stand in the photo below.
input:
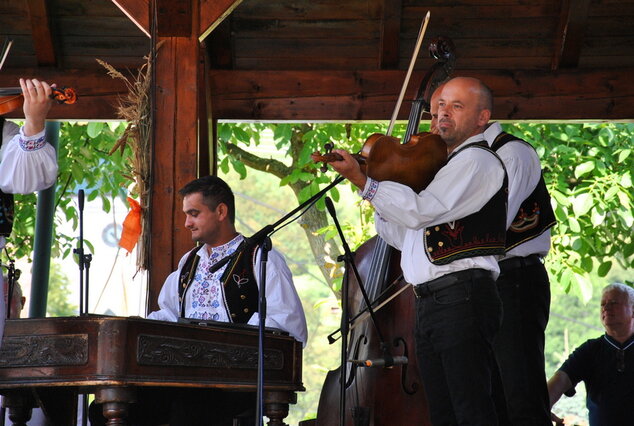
(348, 259)
(82, 259)
(84, 281)
(264, 257)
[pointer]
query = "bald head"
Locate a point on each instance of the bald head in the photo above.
(464, 109)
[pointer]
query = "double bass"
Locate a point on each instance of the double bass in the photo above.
(392, 392)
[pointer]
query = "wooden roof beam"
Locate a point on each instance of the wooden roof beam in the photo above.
(571, 30)
(41, 31)
(390, 30)
(138, 11)
(212, 13)
(370, 95)
(97, 92)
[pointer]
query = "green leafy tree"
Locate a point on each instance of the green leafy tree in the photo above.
(84, 162)
(588, 171)
(299, 172)
(588, 168)
(57, 304)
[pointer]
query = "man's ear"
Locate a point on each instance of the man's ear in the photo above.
(484, 117)
(223, 211)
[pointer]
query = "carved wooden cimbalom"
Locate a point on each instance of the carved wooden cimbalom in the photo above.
(47, 362)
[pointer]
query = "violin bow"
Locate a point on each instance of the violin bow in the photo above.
(419, 41)
(5, 50)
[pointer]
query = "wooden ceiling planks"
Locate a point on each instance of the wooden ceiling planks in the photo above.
(45, 48)
(603, 94)
(329, 36)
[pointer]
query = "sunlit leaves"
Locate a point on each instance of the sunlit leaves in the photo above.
(584, 168)
(582, 203)
(83, 163)
(587, 168)
(94, 129)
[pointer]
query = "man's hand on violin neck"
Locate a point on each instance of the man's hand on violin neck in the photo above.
(349, 168)
(37, 103)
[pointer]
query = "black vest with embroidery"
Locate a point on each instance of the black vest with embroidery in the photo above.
(479, 234)
(238, 281)
(6, 201)
(535, 214)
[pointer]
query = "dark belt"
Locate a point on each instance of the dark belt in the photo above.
(431, 287)
(519, 262)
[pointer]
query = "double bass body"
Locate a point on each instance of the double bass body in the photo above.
(377, 396)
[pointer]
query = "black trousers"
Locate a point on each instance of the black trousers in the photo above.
(519, 346)
(455, 327)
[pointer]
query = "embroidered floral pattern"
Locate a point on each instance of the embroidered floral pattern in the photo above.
(32, 144)
(371, 192)
(206, 294)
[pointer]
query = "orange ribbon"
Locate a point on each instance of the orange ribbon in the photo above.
(131, 226)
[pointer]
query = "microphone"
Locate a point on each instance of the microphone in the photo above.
(80, 199)
(380, 362)
(330, 206)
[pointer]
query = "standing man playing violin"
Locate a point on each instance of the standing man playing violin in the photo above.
(523, 282)
(450, 235)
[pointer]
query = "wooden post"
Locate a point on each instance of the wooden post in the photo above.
(175, 147)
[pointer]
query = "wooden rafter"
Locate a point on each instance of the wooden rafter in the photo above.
(98, 93)
(371, 95)
(212, 13)
(569, 37)
(41, 32)
(138, 11)
(389, 33)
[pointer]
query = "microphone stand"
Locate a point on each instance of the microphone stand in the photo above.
(79, 251)
(262, 237)
(12, 277)
(84, 264)
(348, 259)
(264, 257)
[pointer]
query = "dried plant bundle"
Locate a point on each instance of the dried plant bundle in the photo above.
(135, 108)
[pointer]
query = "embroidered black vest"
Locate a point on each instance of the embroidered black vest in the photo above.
(535, 214)
(479, 234)
(238, 280)
(6, 201)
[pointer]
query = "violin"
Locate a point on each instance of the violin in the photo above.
(384, 157)
(415, 161)
(11, 98)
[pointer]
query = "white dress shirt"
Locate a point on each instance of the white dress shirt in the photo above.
(460, 188)
(524, 171)
(27, 164)
(284, 308)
